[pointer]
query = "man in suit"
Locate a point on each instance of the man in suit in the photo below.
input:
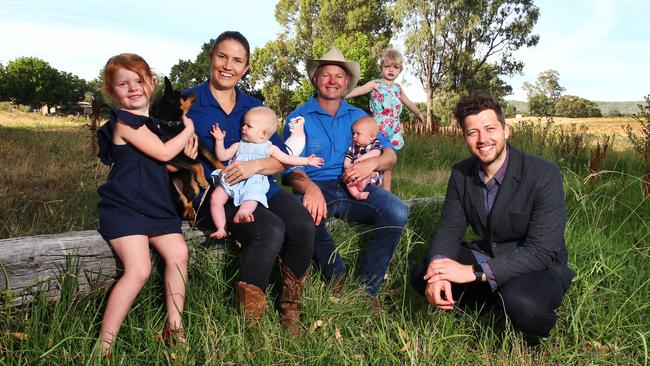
(514, 202)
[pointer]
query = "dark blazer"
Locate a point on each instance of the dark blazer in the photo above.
(525, 229)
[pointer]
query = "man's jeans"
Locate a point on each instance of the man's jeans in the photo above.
(382, 209)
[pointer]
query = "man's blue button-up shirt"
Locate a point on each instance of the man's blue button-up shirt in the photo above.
(327, 137)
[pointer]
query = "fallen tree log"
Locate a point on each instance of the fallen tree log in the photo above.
(42, 262)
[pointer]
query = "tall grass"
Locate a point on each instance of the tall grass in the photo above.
(603, 319)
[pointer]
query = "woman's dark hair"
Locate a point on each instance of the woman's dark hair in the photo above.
(476, 103)
(236, 36)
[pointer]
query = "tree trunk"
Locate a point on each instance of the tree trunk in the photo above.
(430, 120)
(45, 262)
(30, 263)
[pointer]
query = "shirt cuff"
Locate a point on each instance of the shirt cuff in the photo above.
(489, 275)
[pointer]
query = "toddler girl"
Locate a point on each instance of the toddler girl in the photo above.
(135, 208)
(260, 123)
(386, 101)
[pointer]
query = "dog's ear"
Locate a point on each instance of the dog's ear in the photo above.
(169, 89)
(186, 102)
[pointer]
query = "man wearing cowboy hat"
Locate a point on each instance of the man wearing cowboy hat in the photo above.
(328, 131)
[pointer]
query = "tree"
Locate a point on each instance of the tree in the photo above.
(544, 94)
(509, 110)
(541, 105)
(308, 21)
(3, 83)
(487, 80)
(576, 107)
(360, 28)
(548, 83)
(188, 73)
(450, 41)
(273, 69)
(69, 89)
(32, 81)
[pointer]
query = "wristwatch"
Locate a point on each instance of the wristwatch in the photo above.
(478, 272)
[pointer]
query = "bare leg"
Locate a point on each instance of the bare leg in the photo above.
(217, 201)
(133, 251)
(245, 212)
(388, 175)
(356, 190)
(173, 251)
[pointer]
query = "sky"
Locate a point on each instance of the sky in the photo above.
(601, 48)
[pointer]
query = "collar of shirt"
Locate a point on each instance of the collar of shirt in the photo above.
(127, 117)
(500, 174)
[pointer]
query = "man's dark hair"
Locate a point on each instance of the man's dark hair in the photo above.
(476, 103)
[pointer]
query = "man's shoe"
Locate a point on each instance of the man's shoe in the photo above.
(337, 284)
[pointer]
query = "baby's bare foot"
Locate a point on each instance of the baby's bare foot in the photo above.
(219, 234)
(362, 196)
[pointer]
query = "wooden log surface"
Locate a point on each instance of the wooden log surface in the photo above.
(39, 263)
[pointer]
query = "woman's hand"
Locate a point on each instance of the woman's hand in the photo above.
(240, 170)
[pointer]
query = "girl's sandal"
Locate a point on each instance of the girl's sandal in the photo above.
(173, 337)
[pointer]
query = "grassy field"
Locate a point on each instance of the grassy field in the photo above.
(48, 179)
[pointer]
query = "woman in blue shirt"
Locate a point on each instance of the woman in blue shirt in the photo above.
(285, 229)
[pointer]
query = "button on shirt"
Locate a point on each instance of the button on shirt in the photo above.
(327, 137)
(206, 111)
(490, 190)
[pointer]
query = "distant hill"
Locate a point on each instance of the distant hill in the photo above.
(626, 108)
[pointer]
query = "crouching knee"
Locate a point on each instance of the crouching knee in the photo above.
(529, 317)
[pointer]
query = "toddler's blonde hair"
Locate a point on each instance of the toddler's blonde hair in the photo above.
(393, 56)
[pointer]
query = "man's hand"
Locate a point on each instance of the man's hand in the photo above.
(446, 269)
(434, 293)
(314, 202)
(357, 172)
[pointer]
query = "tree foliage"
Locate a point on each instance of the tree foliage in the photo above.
(187, 73)
(32, 81)
(360, 28)
(449, 42)
(576, 107)
(547, 83)
(541, 105)
(544, 93)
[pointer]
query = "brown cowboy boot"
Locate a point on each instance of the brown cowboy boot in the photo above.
(290, 302)
(251, 301)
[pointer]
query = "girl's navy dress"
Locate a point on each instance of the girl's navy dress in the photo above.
(135, 198)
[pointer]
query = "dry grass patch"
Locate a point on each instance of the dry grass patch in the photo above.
(599, 127)
(21, 119)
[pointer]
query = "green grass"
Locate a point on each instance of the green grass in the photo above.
(603, 320)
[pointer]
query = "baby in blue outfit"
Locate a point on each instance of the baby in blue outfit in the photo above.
(260, 123)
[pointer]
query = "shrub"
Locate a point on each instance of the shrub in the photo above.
(576, 107)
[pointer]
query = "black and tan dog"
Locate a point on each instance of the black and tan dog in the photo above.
(189, 177)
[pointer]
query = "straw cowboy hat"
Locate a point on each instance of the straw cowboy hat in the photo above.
(335, 57)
